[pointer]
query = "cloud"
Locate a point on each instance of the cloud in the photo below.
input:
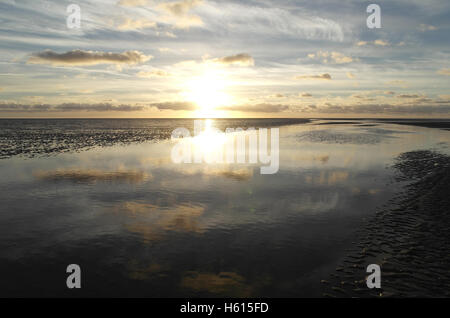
(350, 75)
(180, 8)
(175, 106)
(386, 109)
(166, 34)
(444, 71)
(426, 27)
(324, 76)
(406, 106)
(399, 83)
(98, 107)
(167, 50)
(188, 21)
(179, 12)
(85, 58)
(409, 96)
(102, 107)
(68, 107)
(154, 73)
(132, 3)
(130, 24)
(258, 108)
(333, 57)
(378, 42)
(381, 43)
(242, 59)
(305, 95)
(278, 95)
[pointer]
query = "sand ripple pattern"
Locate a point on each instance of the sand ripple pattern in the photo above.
(43, 137)
(410, 240)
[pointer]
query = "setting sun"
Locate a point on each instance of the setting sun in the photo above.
(208, 93)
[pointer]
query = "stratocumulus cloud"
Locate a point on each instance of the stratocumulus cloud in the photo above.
(378, 42)
(153, 73)
(179, 14)
(137, 24)
(426, 27)
(242, 59)
(409, 96)
(176, 105)
(180, 8)
(324, 76)
(85, 58)
(258, 108)
(387, 109)
(331, 57)
(132, 3)
(68, 107)
(444, 71)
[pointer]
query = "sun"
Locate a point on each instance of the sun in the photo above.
(208, 93)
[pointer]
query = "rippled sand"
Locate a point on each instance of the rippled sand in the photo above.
(410, 239)
(43, 137)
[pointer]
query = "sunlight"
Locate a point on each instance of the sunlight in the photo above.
(208, 92)
(210, 141)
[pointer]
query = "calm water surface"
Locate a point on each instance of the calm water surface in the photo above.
(139, 225)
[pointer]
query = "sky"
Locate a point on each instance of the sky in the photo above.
(207, 58)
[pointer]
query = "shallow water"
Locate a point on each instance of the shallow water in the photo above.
(140, 225)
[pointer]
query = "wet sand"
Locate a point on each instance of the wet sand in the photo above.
(45, 137)
(409, 238)
(440, 124)
(429, 123)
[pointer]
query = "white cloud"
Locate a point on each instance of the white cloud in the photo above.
(378, 42)
(154, 73)
(331, 57)
(132, 3)
(130, 24)
(426, 27)
(381, 42)
(444, 71)
(179, 13)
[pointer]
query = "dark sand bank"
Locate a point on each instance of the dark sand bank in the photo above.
(430, 123)
(410, 239)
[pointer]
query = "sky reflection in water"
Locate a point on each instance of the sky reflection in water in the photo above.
(140, 225)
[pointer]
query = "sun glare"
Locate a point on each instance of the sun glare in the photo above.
(208, 93)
